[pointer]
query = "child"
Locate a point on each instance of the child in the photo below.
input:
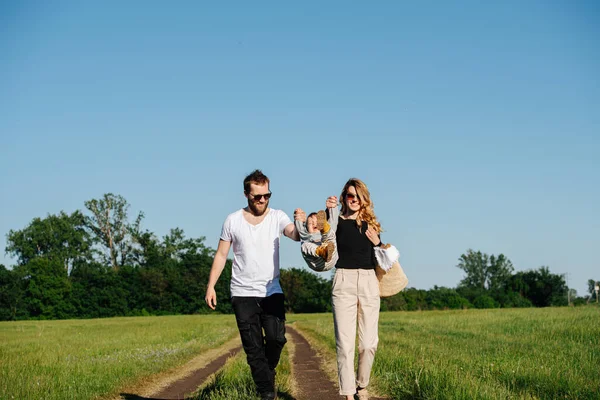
(318, 240)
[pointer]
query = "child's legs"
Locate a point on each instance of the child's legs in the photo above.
(330, 237)
(309, 248)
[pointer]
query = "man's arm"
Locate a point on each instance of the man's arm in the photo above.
(291, 232)
(290, 229)
(215, 272)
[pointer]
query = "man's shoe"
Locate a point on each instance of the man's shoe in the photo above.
(325, 251)
(269, 396)
(322, 223)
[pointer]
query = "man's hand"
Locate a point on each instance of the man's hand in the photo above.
(331, 202)
(299, 215)
(211, 297)
(215, 271)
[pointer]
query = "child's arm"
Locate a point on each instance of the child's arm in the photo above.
(333, 215)
(301, 228)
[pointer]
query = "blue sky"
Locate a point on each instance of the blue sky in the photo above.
(475, 125)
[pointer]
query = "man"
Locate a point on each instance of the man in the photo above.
(256, 295)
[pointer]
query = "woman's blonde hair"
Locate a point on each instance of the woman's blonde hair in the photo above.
(366, 212)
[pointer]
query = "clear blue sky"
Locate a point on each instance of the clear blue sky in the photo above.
(475, 124)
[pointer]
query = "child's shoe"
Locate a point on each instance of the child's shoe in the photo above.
(322, 223)
(325, 251)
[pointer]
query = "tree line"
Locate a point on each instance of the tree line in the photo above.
(101, 263)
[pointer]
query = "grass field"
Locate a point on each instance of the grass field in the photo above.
(473, 354)
(546, 353)
(83, 359)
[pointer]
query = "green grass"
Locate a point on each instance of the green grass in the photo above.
(84, 359)
(546, 353)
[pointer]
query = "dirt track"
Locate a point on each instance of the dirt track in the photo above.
(308, 370)
(307, 367)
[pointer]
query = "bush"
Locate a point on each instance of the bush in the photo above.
(394, 303)
(441, 298)
(485, 301)
(513, 300)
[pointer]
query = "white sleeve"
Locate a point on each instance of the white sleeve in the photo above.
(226, 230)
(386, 257)
(284, 221)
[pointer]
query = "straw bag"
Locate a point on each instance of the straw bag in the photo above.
(391, 282)
(390, 274)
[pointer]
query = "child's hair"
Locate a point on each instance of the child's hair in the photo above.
(313, 214)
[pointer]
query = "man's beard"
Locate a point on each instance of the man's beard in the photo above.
(255, 211)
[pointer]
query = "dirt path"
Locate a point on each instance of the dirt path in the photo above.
(312, 382)
(175, 384)
(179, 389)
(310, 379)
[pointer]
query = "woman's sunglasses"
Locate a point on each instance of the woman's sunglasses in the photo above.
(258, 197)
(350, 196)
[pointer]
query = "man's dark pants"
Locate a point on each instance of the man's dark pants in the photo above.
(253, 315)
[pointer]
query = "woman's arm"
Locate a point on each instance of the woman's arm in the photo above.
(373, 236)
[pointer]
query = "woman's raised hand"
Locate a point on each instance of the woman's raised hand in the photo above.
(331, 202)
(373, 236)
(299, 215)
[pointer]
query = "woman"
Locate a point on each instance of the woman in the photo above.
(355, 295)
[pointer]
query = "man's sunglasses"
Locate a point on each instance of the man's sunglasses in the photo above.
(258, 197)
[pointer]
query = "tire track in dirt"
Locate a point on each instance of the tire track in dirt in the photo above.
(186, 386)
(311, 380)
(182, 381)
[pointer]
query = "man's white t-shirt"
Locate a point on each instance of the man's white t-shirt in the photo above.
(255, 270)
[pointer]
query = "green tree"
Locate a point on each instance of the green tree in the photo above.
(572, 294)
(305, 292)
(475, 266)
(511, 299)
(485, 301)
(11, 295)
(47, 289)
(174, 272)
(517, 284)
(591, 289)
(111, 229)
(441, 298)
(98, 291)
(471, 293)
(500, 270)
(190, 276)
(394, 303)
(177, 246)
(416, 299)
(61, 238)
(545, 289)
(485, 272)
